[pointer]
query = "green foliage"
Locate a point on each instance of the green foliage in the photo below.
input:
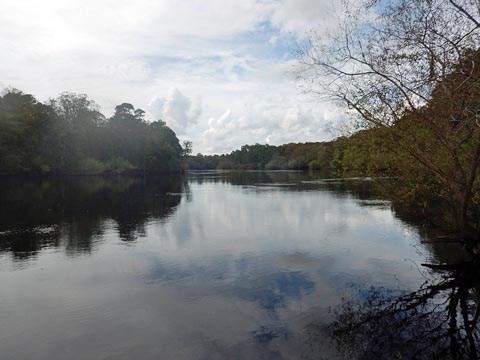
(203, 162)
(315, 165)
(267, 157)
(225, 165)
(23, 126)
(277, 163)
(118, 165)
(69, 135)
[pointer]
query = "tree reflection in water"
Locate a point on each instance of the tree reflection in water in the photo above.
(74, 213)
(437, 321)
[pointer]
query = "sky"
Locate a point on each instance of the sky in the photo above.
(221, 73)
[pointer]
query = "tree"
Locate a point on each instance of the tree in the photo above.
(24, 125)
(163, 152)
(187, 148)
(411, 67)
(75, 130)
(127, 133)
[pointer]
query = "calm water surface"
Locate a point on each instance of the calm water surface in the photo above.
(207, 266)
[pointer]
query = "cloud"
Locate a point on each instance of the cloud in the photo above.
(235, 54)
(177, 110)
(275, 122)
(300, 16)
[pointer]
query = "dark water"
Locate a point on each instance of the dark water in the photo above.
(208, 266)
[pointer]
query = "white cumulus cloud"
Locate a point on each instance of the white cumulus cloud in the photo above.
(277, 122)
(177, 110)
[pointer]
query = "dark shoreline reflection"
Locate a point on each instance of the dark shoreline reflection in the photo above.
(439, 320)
(71, 212)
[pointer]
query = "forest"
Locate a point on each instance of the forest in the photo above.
(344, 156)
(70, 136)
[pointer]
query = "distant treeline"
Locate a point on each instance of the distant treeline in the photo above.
(265, 157)
(342, 157)
(69, 135)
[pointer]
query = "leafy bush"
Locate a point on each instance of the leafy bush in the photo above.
(119, 165)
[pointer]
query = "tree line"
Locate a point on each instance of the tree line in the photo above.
(353, 155)
(292, 156)
(69, 135)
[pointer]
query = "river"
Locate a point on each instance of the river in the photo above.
(210, 265)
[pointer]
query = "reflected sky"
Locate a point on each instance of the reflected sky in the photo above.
(214, 265)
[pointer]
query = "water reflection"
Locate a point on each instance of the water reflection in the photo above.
(72, 213)
(439, 320)
(211, 266)
(272, 291)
